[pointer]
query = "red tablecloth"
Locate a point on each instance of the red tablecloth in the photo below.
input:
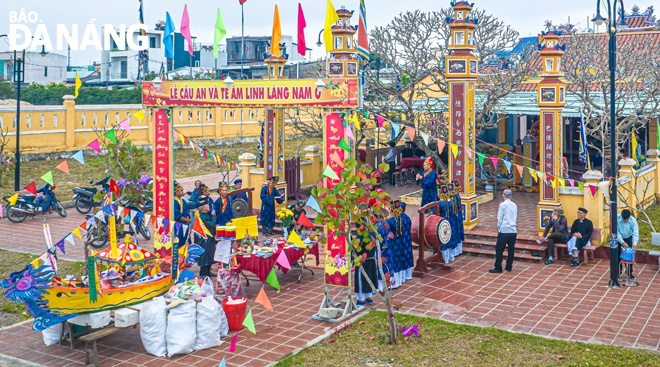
(260, 266)
(409, 162)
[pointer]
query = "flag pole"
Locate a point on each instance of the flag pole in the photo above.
(242, 39)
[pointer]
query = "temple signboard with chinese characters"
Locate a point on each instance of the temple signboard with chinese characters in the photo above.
(163, 181)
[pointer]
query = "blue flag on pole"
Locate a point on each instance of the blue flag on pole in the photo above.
(167, 36)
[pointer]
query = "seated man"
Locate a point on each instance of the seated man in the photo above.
(559, 226)
(407, 151)
(581, 232)
(628, 235)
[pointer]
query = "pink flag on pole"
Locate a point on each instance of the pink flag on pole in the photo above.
(95, 146)
(185, 29)
(302, 45)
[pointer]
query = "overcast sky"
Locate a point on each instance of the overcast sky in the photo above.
(526, 16)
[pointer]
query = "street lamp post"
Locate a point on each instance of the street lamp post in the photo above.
(19, 77)
(611, 30)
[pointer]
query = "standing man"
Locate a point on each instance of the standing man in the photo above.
(581, 232)
(429, 180)
(206, 261)
(222, 205)
(181, 212)
(507, 216)
(559, 225)
(238, 184)
(269, 195)
(628, 235)
(390, 158)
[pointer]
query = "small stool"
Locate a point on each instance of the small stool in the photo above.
(91, 339)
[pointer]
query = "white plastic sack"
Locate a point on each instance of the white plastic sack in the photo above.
(52, 334)
(207, 287)
(182, 328)
(211, 324)
(153, 323)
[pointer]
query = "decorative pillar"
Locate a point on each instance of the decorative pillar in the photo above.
(652, 159)
(313, 153)
(461, 72)
(598, 211)
(69, 121)
(551, 94)
(627, 184)
(528, 158)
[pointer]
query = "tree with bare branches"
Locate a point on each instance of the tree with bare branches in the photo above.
(637, 85)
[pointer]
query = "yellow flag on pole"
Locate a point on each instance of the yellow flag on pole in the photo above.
(276, 37)
(331, 18)
(77, 86)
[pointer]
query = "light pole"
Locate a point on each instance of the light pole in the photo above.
(611, 30)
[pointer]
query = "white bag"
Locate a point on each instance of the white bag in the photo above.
(222, 251)
(211, 324)
(181, 328)
(153, 323)
(207, 287)
(53, 334)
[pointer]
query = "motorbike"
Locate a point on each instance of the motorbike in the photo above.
(138, 221)
(83, 197)
(33, 205)
(97, 236)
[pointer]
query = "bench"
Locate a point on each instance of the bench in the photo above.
(587, 251)
(92, 338)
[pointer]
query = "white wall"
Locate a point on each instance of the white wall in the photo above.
(35, 66)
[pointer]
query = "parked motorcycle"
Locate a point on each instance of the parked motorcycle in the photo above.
(83, 197)
(33, 205)
(138, 221)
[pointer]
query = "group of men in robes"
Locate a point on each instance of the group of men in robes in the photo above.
(452, 210)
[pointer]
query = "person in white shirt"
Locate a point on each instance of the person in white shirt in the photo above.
(507, 215)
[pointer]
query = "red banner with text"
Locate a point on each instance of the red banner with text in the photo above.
(163, 179)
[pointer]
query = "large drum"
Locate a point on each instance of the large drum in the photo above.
(437, 231)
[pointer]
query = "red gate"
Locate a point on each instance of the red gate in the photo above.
(292, 177)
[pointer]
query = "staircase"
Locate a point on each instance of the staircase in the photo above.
(482, 243)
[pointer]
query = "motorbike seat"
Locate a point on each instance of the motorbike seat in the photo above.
(93, 190)
(28, 198)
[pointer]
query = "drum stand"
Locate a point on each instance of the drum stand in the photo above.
(624, 279)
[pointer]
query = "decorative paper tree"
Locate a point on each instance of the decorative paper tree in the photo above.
(351, 207)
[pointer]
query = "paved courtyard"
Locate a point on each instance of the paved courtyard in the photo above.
(555, 301)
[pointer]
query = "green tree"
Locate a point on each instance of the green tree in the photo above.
(52, 94)
(6, 91)
(345, 210)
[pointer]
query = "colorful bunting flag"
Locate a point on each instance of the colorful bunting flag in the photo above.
(380, 120)
(60, 245)
(329, 172)
(64, 167)
(411, 133)
(562, 182)
(593, 189)
(396, 128)
(571, 182)
(272, 279)
(454, 149)
(481, 157)
(311, 202)
(125, 125)
(77, 230)
(344, 145)
(139, 115)
(441, 145)
(580, 186)
(282, 260)
(69, 239)
(295, 239)
(12, 200)
(520, 170)
(32, 188)
(468, 151)
(223, 363)
(48, 177)
(356, 121)
(95, 146)
(425, 137)
(331, 19)
(110, 135)
(248, 322)
(494, 159)
(336, 159)
(507, 164)
(348, 132)
(79, 157)
(232, 346)
(263, 299)
(304, 220)
(302, 44)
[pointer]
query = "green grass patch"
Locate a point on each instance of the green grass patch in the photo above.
(645, 229)
(10, 311)
(444, 343)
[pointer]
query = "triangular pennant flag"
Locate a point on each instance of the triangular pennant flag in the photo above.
(110, 135)
(543, 176)
(571, 182)
(311, 202)
(263, 299)
(64, 167)
(223, 363)
(125, 125)
(248, 322)
(77, 231)
(183, 140)
(349, 133)
(356, 121)
(114, 188)
(303, 220)
(344, 145)
(79, 157)
(336, 159)
(35, 263)
(580, 186)
(520, 170)
(494, 159)
(411, 133)
(441, 145)
(295, 239)
(12, 200)
(272, 279)
(534, 174)
(60, 245)
(593, 190)
(425, 137)
(481, 157)
(328, 172)
(69, 239)
(380, 120)
(553, 182)
(48, 177)
(562, 183)
(139, 115)
(396, 128)
(282, 259)
(468, 151)
(507, 164)
(95, 146)
(232, 346)
(454, 149)
(32, 188)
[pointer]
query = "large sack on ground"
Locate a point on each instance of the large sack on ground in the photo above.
(211, 323)
(182, 328)
(52, 334)
(153, 323)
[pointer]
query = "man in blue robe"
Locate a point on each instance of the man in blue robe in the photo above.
(222, 205)
(181, 213)
(206, 261)
(269, 195)
(238, 184)
(400, 243)
(428, 178)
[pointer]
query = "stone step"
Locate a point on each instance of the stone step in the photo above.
(524, 247)
(491, 253)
